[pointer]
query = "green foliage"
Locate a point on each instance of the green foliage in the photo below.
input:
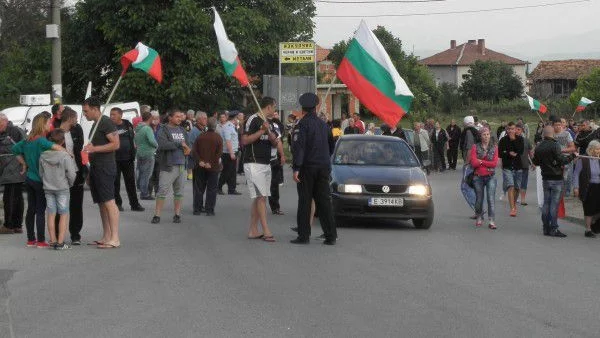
(182, 33)
(25, 53)
(417, 77)
(449, 98)
(587, 86)
(491, 80)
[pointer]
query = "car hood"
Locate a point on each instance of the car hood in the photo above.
(355, 174)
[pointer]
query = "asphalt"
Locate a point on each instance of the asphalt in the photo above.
(203, 278)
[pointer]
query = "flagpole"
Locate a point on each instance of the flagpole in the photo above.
(260, 112)
(575, 112)
(104, 109)
(324, 103)
(540, 116)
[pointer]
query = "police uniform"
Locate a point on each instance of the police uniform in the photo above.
(312, 146)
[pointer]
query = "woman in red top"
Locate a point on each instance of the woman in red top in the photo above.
(484, 158)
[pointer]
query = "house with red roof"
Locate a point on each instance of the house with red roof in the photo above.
(559, 78)
(452, 64)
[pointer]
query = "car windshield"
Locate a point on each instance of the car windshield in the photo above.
(377, 153)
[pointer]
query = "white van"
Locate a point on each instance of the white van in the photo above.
(22, 116)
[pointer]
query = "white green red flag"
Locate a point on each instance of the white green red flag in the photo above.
(143, 58)
(583, 103)
(229, 55)
(369, 73)
(536, 105)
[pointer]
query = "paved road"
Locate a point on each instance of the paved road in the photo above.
(203, 278)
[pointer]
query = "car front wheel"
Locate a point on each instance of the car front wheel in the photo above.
(424, 223)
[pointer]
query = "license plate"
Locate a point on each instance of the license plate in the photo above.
(386, 202)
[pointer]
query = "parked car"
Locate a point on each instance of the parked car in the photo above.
(22, 116)
(379, 177)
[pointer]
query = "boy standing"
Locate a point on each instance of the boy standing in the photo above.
(58, 171)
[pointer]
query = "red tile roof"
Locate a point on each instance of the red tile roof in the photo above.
(322, 53)
(563, 69)
(466, 54)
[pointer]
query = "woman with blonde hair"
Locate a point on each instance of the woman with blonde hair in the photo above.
(28, 153)
(586, 184)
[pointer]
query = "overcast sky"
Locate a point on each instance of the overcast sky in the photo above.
(563, 29)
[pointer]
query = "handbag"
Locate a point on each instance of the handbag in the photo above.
(469, 180)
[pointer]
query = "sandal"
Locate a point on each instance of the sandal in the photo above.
(479, 223)
(109, 246)
(269, 239)
(95, 243)
(492, 226)
(257, 237)
(513, 213)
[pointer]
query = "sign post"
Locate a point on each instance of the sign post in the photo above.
(296, 52)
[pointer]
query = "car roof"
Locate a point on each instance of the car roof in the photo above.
(355, 137)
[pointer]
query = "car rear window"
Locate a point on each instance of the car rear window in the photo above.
(378, 153)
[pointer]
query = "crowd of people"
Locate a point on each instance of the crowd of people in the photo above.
(156, 154)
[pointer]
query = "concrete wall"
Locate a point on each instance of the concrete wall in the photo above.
(443, 74)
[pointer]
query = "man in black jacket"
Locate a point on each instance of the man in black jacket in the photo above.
(549, 158)
(454, 132)
(125, 157)
(11, 177)
(312, 147)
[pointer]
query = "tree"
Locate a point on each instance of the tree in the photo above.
(491, 80)
(587, 86)
(182, 33)
(449, 98)
(25, 53)
(417, 77)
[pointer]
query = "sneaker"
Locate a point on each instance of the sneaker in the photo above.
(190, 177)
(62, 246)
(42, 245)
(18, 230)
(589, 234)
(147, 198)
(51, 245)
(210, 213)
(329, 242)
(321, 238)
(235, 193)
(557, 233)
(294, 229)
(492, 225)
(31, 244)
(176, 219)
(76, 242)
(155, 220)
(138, 208)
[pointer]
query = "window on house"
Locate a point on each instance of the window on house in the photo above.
(558, 87)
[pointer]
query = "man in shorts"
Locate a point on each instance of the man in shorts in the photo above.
(104, 141)
(258, 139)
(172, 153)
(510, 149)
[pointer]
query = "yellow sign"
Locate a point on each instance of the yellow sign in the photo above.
(297, 52)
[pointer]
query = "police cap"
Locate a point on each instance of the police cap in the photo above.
(308, 100)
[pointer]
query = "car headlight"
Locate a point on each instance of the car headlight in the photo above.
(349, 188)
(419, 190)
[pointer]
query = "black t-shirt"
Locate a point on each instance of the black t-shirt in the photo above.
(351, 130)
(505, 146)
(105, 127)
(125, 131)
(260, 150)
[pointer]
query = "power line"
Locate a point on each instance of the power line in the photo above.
(455, 12)
(375, 1)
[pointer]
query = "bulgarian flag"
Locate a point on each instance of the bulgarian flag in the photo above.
(143, 58)
(369, 73)
(536, 105)
(229, 55)
(583, 103)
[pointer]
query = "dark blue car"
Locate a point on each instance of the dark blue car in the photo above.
(379, 177)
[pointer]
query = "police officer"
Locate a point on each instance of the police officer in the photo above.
(312, 168)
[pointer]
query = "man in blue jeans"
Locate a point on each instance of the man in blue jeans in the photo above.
(548, 156)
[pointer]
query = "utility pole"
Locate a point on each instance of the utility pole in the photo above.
(53, 32)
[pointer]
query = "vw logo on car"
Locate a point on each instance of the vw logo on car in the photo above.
(385, 189)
